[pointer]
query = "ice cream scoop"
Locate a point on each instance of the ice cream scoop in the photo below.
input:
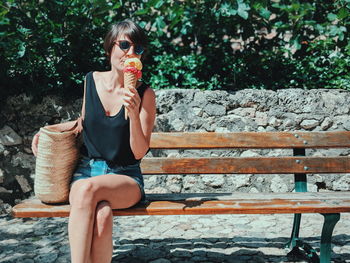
(133, 62)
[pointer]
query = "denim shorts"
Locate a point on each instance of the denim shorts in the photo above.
(88, 168)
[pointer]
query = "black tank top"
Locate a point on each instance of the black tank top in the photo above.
(106, 137)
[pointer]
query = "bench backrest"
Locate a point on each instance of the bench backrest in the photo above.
(231, 203)
(296, 164)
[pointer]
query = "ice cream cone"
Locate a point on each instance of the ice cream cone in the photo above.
(132, 72)
(130, 80)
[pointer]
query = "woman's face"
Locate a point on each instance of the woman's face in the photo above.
(120, 54)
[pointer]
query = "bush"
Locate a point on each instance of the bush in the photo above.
(47, 46)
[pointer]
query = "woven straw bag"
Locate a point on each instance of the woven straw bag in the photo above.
(58, 153)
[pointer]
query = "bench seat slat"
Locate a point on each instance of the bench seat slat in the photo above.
(246, 165)
(239, 203)
(200, 140)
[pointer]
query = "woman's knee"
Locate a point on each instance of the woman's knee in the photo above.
(82, 194)
(104, 218)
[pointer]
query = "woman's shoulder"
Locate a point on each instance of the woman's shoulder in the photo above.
(98, 74)
(143, 85)
(149, 92)
(149, 101)
(144, 88)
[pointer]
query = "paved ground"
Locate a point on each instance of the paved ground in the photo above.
(164, 239)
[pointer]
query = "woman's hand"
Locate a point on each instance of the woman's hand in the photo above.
(132, 102)
(35, 143)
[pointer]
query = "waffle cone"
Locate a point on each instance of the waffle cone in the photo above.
(130, 79)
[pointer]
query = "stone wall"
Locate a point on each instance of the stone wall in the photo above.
(188, 110)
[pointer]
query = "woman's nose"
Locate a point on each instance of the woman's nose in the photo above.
(131, 51)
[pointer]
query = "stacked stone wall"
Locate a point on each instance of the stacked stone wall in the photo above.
(189, 110)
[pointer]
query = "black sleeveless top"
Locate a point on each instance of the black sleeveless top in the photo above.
(106, 137)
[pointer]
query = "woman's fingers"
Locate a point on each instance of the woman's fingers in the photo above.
(35, 142)
(131, 98)
(132, 101)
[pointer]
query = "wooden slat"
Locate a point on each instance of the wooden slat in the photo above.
(248, 196)
(246, 165)
(202, 140)
(239, 203)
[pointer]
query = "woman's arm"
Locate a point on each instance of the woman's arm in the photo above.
(142, 119)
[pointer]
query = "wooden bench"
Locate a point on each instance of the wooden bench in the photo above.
(329, 204)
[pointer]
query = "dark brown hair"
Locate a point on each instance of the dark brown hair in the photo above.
(129, 28)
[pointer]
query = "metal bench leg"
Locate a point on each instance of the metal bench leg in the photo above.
(295, 232)
(300, 181)
(295, 244)
(330, 220)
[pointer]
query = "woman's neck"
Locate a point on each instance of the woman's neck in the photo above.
(113, 80)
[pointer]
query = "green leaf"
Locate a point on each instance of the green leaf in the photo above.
(319, 28)
(57, 40)
(22, 50)
(23, 30)
(296, 43)
(343, 13)
(152, 3)
(331, 17)
(142, 11)
(183, 30)
(5, 21)
(227, 10)
(117, 5)
(260, 3)
(159, 4)
(243, 14)
(160, 22)
(265, 13)
(242, 9)
(295, 6)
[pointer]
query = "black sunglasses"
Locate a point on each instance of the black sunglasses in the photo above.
(125, 46)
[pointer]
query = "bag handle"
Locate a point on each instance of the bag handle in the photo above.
(83, 104)
(78, 127)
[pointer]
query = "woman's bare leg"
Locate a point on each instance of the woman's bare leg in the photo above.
(102, 243)
(80, 225)
(119, 191)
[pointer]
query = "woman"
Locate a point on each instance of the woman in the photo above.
(108, 175)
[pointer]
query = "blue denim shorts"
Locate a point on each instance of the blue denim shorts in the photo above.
(88, 168)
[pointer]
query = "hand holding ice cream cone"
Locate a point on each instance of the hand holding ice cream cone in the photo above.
(132, 72)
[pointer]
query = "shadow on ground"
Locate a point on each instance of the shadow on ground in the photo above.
(237, 249)
(47, 241)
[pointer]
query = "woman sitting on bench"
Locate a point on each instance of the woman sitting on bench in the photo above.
(108, 175)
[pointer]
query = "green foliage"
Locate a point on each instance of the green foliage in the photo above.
(249, 44)
(324, 65)
(174, 70)
(47, 46)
